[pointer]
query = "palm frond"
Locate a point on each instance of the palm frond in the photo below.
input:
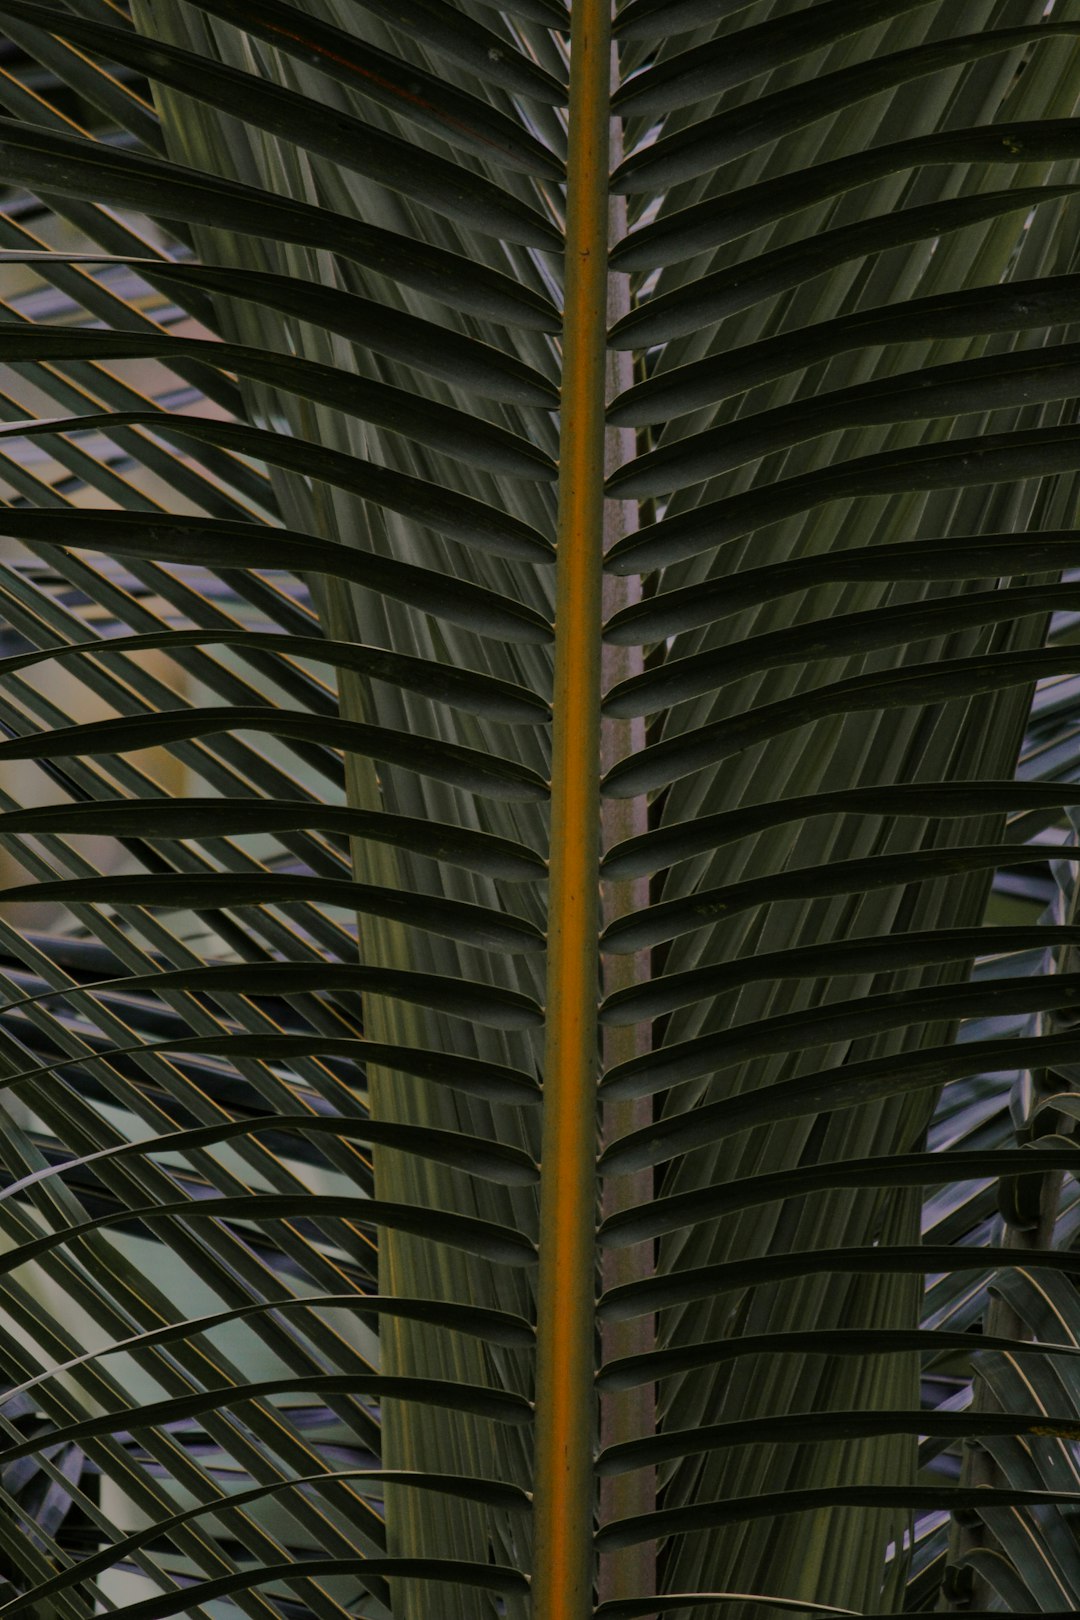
(313, 1154)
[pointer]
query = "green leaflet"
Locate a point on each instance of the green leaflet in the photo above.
(664, 846)
(460, 37)
(902, 1170)
(174, 891)
(717, 140)
(480, 852)
(618, 1608)
(495, 1160)
(651, 19)
(487, 1577)
(798, 1426)
(400, 411)
(478, 1237)
(72, 167)
(478, 693)
(490, 1491)
(492, 1082)
(985, 385)
(430, 756)
(709, 225)
(672, 990)
(841, 1022)
(457, 516)
(964, 558)
(682, 678)
(420, 97)
(671, 918)
(665, 761)
(237, 545)
(467, 999)
(717, 66)
(419, 343)
(728, 292)
(842, 1342)
(711, 1515)
(992, 459)
(464, 1318)
(708, 1281)
(842, 1087)
(440, 184)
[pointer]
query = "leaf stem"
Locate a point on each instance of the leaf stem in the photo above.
(566, 1405)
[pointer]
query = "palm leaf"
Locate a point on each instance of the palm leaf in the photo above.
(301, 1308)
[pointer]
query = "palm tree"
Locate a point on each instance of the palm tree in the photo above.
(531, 541)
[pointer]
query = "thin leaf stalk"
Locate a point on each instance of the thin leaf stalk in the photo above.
(566, 1407)
(626, 1414)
